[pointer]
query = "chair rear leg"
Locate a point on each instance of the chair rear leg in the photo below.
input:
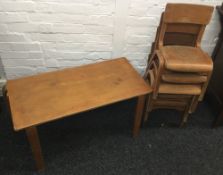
(185, 116)
(148, 108)
(194, 104)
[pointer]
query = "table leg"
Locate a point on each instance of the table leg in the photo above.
(138, 115)
(33, 138)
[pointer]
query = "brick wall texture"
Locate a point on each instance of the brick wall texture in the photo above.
(45, 35)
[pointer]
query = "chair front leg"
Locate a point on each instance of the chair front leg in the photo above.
(204, 87)
(148, 108)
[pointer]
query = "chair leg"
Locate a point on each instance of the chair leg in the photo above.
(146, 116)
(148, 109)
(194, 104)
(185, 116)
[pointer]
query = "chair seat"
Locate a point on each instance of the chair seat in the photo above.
(167, 88)
(186, 59)
(183, 78)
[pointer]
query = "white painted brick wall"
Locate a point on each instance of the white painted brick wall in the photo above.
(44, 35)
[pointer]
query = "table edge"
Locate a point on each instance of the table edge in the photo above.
(93, 108)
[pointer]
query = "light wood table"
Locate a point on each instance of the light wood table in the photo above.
(54, 95)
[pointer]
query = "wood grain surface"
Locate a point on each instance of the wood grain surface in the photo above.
(49, 96)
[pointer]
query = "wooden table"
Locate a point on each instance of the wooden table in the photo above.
(54, 95)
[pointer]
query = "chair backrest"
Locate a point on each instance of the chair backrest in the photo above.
(184, 24)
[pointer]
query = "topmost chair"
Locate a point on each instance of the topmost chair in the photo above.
(182, 25)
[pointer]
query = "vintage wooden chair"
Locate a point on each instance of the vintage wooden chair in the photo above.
(178, 69)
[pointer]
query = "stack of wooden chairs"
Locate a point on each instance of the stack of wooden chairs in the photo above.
(178, 69)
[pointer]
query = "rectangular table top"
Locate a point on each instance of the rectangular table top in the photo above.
(49, 96)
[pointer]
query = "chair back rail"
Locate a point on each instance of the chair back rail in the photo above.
(184, 24)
